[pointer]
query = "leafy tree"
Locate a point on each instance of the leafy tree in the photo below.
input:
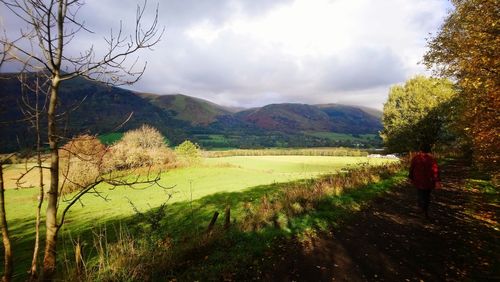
(416, 113)
(188, 153)
(467, 49)
(141, 147)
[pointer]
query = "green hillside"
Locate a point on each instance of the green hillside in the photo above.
(194, 110)
(84, 107)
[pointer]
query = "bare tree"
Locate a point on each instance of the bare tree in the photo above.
(50, 27)
(32, 111)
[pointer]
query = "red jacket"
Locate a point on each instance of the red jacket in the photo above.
(424, 171)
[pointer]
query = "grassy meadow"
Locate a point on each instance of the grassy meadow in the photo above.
(195, 193)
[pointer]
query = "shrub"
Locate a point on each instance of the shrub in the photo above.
(81, 162)
(140, 147)
(189, 153)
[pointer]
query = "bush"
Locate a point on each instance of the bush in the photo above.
(189, 153)
(140, 147)
(81, 162)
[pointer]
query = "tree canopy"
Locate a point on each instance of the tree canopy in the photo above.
(416, 113)
(467, 49)
(189, 153)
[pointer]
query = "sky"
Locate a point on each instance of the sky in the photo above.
(248, 53)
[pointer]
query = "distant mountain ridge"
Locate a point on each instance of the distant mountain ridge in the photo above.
(98, 109)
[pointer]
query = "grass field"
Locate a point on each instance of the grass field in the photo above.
(12, 172)
(217, 180)
(227, 174)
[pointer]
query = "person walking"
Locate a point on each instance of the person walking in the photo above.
(424, 175)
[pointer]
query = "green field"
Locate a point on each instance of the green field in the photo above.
(343, 136)
(110, 138)
(218, 179)
(228, 174)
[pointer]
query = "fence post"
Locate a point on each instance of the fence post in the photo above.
(212, 222)
(227, 217)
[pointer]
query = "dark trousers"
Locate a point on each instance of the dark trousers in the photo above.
(424, 198)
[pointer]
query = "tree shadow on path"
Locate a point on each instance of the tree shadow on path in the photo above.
(390, 240)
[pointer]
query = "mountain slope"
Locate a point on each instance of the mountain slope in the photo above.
(84, 106)
(194, 110)
(302, 117)
(351, 119)
(287, 118)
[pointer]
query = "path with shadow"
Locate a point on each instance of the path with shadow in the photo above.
(390, 240)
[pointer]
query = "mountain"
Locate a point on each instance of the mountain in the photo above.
(287, 117)
(84, 106)
(193, 110)
(352, 119)
(92, 107)
(301, 117)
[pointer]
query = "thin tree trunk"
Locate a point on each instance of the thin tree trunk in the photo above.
(49, 259)
(7, 275)
(33, 270)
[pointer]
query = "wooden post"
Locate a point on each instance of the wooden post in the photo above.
(212, 222)
(227, 217)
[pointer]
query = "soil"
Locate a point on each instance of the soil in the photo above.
(391, 240)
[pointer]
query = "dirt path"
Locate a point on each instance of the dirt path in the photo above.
(390, 241)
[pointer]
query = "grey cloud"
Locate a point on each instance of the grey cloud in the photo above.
(363, 68)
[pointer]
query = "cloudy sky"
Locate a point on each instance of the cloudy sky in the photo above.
(255, 52)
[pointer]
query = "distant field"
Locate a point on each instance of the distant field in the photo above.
(344, 137)
(319, 151)
(110, 138)
(354, 140)
(214, 141)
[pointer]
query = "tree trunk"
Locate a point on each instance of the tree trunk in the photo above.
(7, 275)
(33, 269)
(49, 259)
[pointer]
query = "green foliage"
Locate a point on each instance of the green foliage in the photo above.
(417, 113)
(189, 153)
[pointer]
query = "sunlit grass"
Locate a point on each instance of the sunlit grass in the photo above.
(223, 178)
